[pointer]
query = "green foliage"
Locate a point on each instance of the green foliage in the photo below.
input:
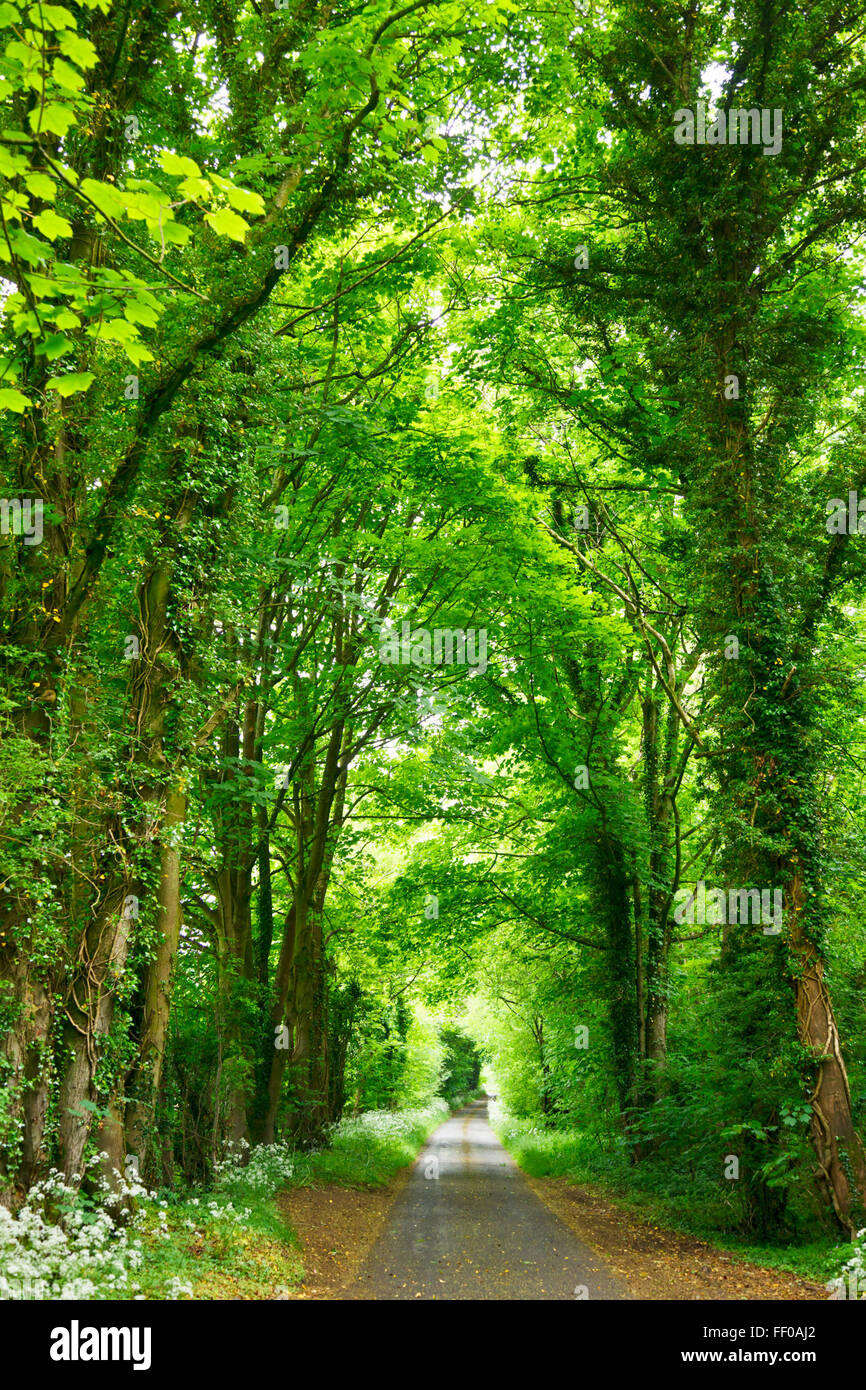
(296, 353)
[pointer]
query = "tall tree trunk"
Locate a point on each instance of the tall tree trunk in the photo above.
(300, 995)
(144, 1084)
(770, 780)
(613, 906)
(89, 1013)
(660, 749)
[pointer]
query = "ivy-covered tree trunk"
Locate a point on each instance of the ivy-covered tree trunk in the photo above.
(769, 780)
(144, 1083)
(659, 748)
(613, 905)
(233, 924)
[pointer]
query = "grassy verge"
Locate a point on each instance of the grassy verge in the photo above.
(228, 1242)
(235, 1243)
(652, 1192)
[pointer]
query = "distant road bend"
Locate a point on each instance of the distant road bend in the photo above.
(467, 1226)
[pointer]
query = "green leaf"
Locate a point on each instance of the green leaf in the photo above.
(138, 312)
(52, 225)
(85, 1105)
(79, 50)
(66, 76)
(241, 198)
(11, 164)
(40, 185)
(65, 318)
(196, 188)
(114, 331)
(12, 400)
(137, 352)
(54, 346)
(51, 17)
(53, 118)
(142, 206)
(227, 223)
(179, 164)
(245, 200)
(107, 199)
(176, 232)
(71, 384)
(28, 248)
(41, 286)
(23, 53)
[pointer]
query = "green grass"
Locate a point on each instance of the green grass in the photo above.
(234, 1242)
(371, 1150)
(255, 1256)
(685, 1202)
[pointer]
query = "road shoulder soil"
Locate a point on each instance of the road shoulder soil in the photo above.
(337, 1228)
(658, 1263)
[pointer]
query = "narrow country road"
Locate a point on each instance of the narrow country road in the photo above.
(467, 1226)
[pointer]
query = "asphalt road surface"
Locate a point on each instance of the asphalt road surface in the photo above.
(467, 1226)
